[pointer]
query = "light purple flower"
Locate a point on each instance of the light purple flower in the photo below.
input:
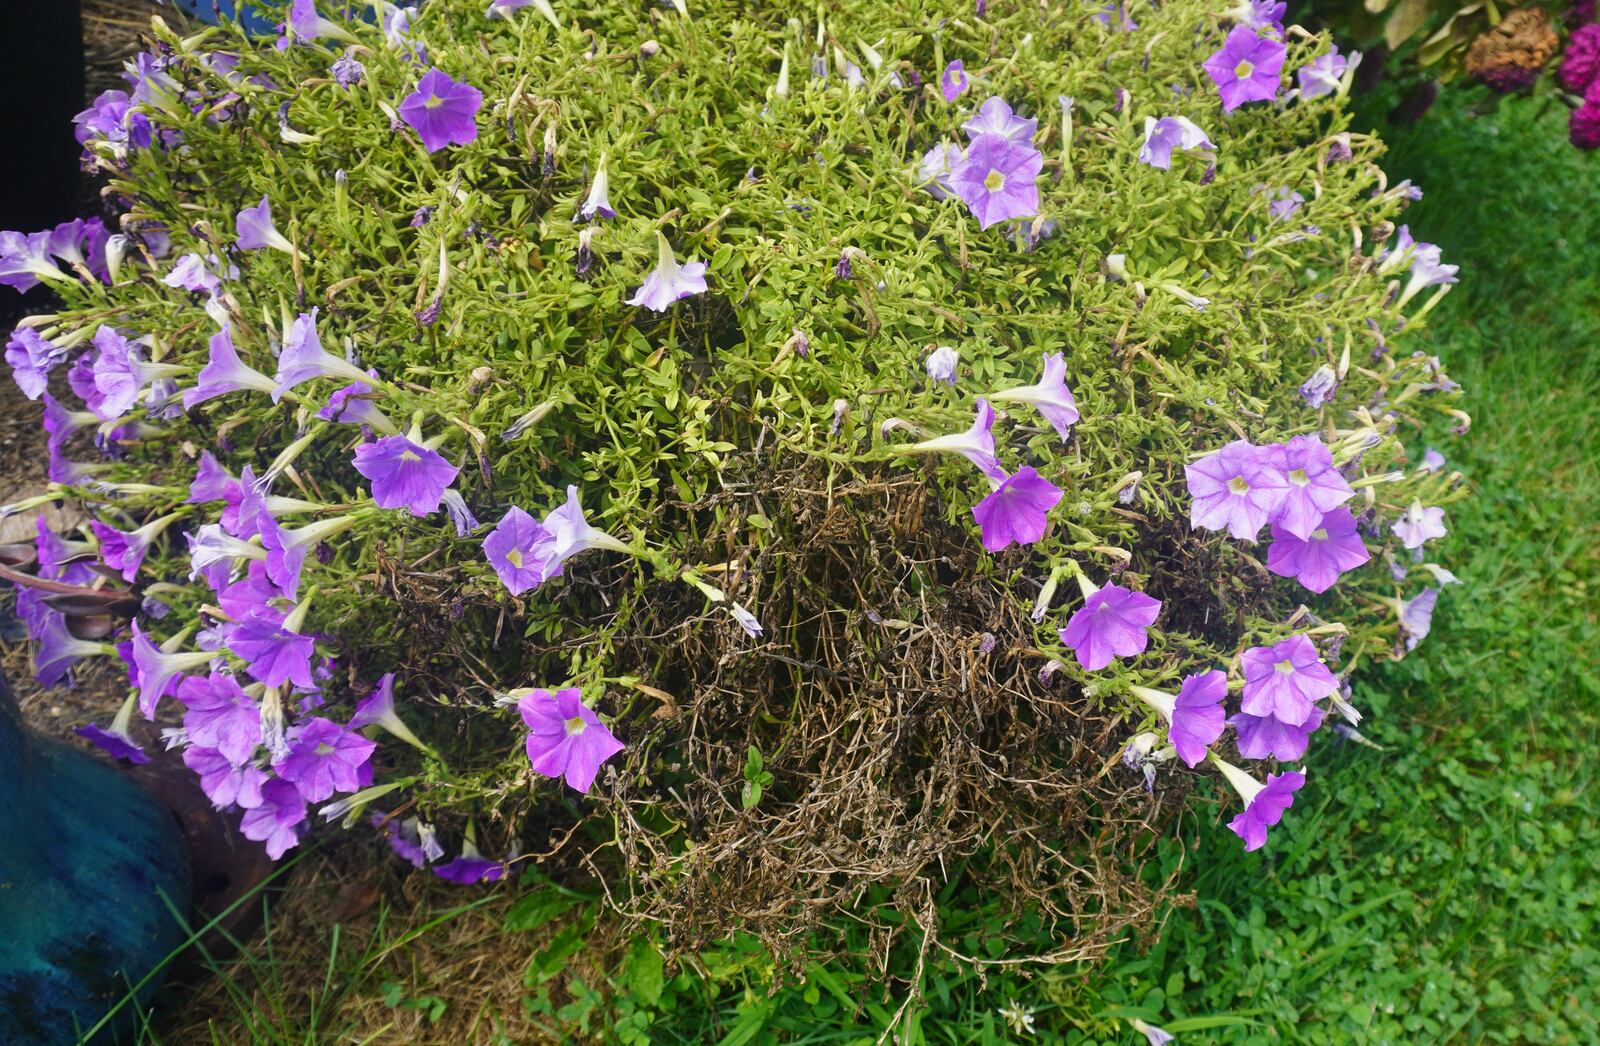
(1419, 525)
(461, 517)
(1154, 1035)
(1197, 719)
(1259, 14)
(998, 179)
(1416, 616)
(442, 111)
(405, 474)
(996, 117)
(1246, 68)
(1236, 488)
(347, 70)
(325, 758)
(256, 229)
(25, 260)
(1111, 623)
(1163, 136)
(941, 364)
(571, 530)
(1284, 679)
(1263, 736)
(32, 357)
(522, 552)
(746, 620)
(1317, 561)
(197, 275)
(1320, 387)
(1432, 461)
(225, 372)
(303, 358)
(1285, 202)
(565, 737)
(471, 867)
(275, 819)
(115, 740)
(668, 281)
(121, 550)
(1264, 804)
(273, 653)
(1017, 510)
(598, 203)
(976, 444)
(403, 838)
(938, 163)
(155, 671)
(223, 782)
(221, 716)
(56, 650)
(121, 373)
(112, 120)
(1049, 396)
(1314, 486)
(378, 709)
(1323, 73)
(953, 81)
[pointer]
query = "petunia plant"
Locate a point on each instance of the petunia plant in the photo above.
(504, 419)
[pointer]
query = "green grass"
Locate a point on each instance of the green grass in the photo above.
(1443, 890)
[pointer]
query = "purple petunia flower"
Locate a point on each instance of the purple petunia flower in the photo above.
(112, 120)
(1049, 396)
(221, 716)
(522, 552)
(953, 81)
(1114, 16)
(1323, 74)
(1320, 387)
(378, 709)
(998, 179)
(224, 372)
(325, 758)
(1317, 561)
(1111, 623)
(347, 70)
(1263, 736)
(25, 260)
(1163, 136)
(56, 650)
(471, 867)
(938, 163)
(461, 517)
(1017, 510)
(1194, 717)
(1259, 14)
(32, 358)
(155, 671)
(1236, 488)
(116, 740)
(996, 117)
(124, 551)
(1154, 1034)
(224, 783)
(304, 358)
(120, 373)
(565, 737)
(256, 229)
(1314, 487)
(275, 819)
(1264, 804)
(941, 364)
(668, 281)
(199, 275)
(273, 652)
(1419, 525)
(405, 474)
(572, 532)
(1284, 679)
(1246, 68)
(976, 444)
(442, 111)
(404, 838)
(598, 203)
(1284, 203)
(1416, 616)
(1432, 461)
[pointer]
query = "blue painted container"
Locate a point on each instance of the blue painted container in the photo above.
(206, 11)
(85, 856)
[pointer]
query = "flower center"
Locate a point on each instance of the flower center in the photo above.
(434, 101)
(1299, 478)
(1243, 70)
(575, 726)
(325, 748)
(410, 455)
(1238, 485)
(995, 182)
(514, 557)
(1285, 666)
(1319, 535)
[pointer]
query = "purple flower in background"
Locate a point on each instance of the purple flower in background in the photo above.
(196, 274)
(1323, 73)
(997, 118)
(122, 551)
(115, 740)
(1419, 525)
(976, 444)
(225, 783)
(1049, 396)
(598, 203)
(442, 111)
(25, 260)
(1416, 617)
(1197, 719)
(953, 81)
(1317, 561)
(403, 838)
(461, 517)
(1154, 1034)
(347, 70)
(938, 163)
(1264, 804)
(1017, 510)
(221, 716)
(1111, 623)
(352, 405)
(471, 867)
(1114, 16)
(1236, 488)
(941, 364)
(1284, 679)
(325, 758)
(32, 357)
(1263, 736)
(1314, 486)
(110, 120)
(377, 709)
(275, 818)
(668, 281)
(1320, 387)
(273, 654)
(1163, 136)
(522, 552)
(565, 737)
(571, 530)
(405, 474)
(1259, 14)
(120, 373)
(304, 358)
(1432, 461)
(1285, 202)
(1246, 69)
(997, 180)
(56, 650)
(155, 671)
(224, 372)
(256, 229)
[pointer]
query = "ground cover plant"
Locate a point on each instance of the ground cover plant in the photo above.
(506, 457)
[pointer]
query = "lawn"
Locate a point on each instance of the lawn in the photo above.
(1439, 890)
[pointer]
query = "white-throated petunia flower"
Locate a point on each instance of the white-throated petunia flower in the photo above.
(1049, 395)
(1163, 136)
(565, 738)
(998, 179)
(1419, 525)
